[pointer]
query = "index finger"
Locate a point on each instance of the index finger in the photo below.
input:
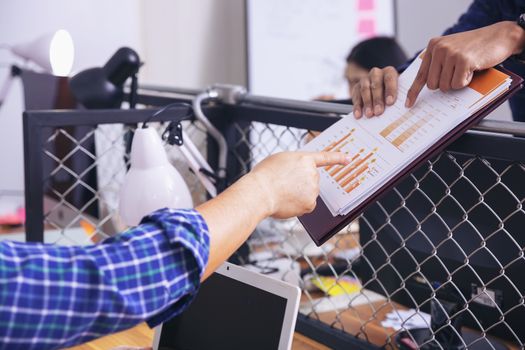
(420, 81)
(390, 79)
(329, 158)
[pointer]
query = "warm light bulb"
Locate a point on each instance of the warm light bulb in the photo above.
(61, 53)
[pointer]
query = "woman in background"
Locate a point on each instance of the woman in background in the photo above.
(377, 52)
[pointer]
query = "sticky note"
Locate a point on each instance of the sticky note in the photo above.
(335, 287)
(365, 5)
(366, 27)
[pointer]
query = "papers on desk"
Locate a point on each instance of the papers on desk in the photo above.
(337, 286)
(406, 319)
(380, 147)
(340, 302)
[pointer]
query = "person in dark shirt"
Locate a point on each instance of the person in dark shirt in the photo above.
(488, 34)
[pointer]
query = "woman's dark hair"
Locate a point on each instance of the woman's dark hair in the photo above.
(377, 52)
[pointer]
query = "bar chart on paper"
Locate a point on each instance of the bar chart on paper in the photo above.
(378, 149)
(364, 164)
(411, 126)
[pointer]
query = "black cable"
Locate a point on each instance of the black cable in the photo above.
(133, 91)
(265, 270)
(188, 114)
(173, 132)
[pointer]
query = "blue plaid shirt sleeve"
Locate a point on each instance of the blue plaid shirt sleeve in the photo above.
(53, 297)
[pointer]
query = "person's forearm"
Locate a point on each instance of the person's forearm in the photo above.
(283, 185)
(232, 216)
(517, 36)
(62, 296)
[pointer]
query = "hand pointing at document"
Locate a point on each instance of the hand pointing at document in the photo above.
(291, 180)
(449, 63)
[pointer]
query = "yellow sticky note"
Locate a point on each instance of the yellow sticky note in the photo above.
(334, 287)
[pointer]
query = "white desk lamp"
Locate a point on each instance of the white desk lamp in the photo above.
(152, 182)
(53, 52)
(133, 206)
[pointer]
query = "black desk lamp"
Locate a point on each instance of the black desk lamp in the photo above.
(103, 87)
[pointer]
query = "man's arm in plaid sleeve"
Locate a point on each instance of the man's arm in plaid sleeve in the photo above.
(54, 296)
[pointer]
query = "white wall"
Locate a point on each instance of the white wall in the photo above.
(98, 28)
(184, 43)
(194, 43)
(421, 20)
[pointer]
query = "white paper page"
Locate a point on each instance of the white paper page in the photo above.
(380, 146)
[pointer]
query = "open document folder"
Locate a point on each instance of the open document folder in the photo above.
(382, 149)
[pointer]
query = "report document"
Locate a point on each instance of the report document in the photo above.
(379, 147)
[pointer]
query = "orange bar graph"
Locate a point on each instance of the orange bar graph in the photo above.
(353, 166)
(338, 168)
(395, 124)
(354, 185)
(330, 167)
(338, 149)
(327, 168)
(357, 173)
(336, 143)
(405, 135)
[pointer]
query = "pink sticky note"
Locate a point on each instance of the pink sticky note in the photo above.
(366, 27)
(365, 5)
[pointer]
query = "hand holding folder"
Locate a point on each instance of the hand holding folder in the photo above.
(384, 149)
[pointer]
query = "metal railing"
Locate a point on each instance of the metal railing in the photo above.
(448, 241)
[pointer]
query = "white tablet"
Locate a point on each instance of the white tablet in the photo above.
(234, 309)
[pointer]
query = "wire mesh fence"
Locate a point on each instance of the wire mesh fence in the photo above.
(437, 263)
(84, 169)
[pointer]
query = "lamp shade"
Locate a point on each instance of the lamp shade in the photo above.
(103, 87)
(152, 182)
(53, 52)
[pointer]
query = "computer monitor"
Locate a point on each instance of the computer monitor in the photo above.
(440, 203)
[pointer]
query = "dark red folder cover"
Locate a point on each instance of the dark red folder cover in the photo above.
(321, 225)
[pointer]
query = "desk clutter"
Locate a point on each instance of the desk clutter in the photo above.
(12, 209)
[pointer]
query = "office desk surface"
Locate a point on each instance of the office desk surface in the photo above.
(142, 336)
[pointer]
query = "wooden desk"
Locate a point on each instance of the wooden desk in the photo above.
(9, 229)
(365, 318)
(142, 336)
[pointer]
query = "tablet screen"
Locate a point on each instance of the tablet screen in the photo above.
(227, 314)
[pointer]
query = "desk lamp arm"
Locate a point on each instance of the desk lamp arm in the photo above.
(4, 90)
(197, 102)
